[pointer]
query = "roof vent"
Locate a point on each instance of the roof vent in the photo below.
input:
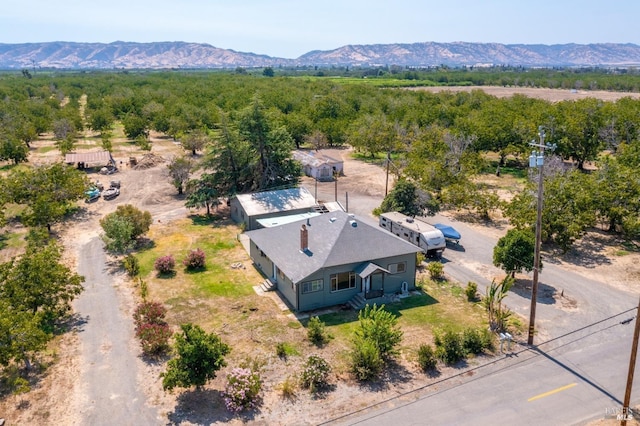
(332, 219)
(353, 223)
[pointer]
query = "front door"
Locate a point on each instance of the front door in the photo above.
(376, 285)
(366, 284)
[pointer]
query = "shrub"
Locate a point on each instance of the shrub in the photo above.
(427, 358)
(436, 270)
(123, 227)
(149, 313)
(379, 327)
(165, 264)
(242, 390)
(316, 331)
(154, 338)
(288, 388)
(472, 341)
(284, 350)
(315, 373)
(131, 265)
(471, 291)
(195, 259)
(420, 258)
(449, 347)
(486, 338)
(366, 363)
(151, 328)
(144, 289)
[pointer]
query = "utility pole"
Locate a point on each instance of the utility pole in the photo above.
(386, 185)
(537, 160)
(632, 367)
(335, 178)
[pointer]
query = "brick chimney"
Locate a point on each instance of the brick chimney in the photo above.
(304, 238)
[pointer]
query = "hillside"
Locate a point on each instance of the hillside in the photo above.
(164, 55)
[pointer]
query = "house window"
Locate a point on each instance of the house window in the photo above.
(397, 268)
(343, 281)
(312, 286)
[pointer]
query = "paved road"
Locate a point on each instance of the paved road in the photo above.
(108, 374)
(564, 385)
(584, 370)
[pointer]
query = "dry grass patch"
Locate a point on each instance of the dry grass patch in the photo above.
(220, 297)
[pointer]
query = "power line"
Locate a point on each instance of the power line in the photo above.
(479, 367)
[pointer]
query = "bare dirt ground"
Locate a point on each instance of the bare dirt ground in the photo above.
(56, 397)
(552, 95)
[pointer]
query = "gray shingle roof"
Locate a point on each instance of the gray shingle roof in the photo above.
(333, 241)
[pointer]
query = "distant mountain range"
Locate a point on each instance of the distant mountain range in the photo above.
(164, 55)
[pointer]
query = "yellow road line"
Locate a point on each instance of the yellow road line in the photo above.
(551, 392)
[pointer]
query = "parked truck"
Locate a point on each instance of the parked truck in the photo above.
(427, 237)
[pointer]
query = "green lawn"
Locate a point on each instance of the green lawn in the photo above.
(438, 306)
(222, 298)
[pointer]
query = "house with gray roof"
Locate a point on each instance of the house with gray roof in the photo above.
(329, 259)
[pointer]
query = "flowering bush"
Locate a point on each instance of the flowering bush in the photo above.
(315, 373)
(149, 313)
(165, 264)
(154, 338)
(195, 259)
(151, 328)
(241, 392)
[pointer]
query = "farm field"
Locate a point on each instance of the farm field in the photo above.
(552, 95)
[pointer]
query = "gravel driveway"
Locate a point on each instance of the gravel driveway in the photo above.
(109, 392)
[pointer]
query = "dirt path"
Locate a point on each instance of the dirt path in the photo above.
(108, 392)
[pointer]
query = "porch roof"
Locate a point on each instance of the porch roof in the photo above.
(368, 268)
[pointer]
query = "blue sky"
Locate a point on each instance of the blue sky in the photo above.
(290, 28)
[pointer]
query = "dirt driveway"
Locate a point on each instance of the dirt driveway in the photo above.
(80, 384)
(99, 378)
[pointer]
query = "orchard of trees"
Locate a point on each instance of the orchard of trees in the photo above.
(238, 131)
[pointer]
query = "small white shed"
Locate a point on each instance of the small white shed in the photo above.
(318, 165)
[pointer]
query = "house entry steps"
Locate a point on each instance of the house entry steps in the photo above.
(357, 302)
(267, 285)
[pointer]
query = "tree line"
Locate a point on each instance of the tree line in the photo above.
(247, 124)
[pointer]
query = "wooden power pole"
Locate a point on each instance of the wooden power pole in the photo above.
(632, 367)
